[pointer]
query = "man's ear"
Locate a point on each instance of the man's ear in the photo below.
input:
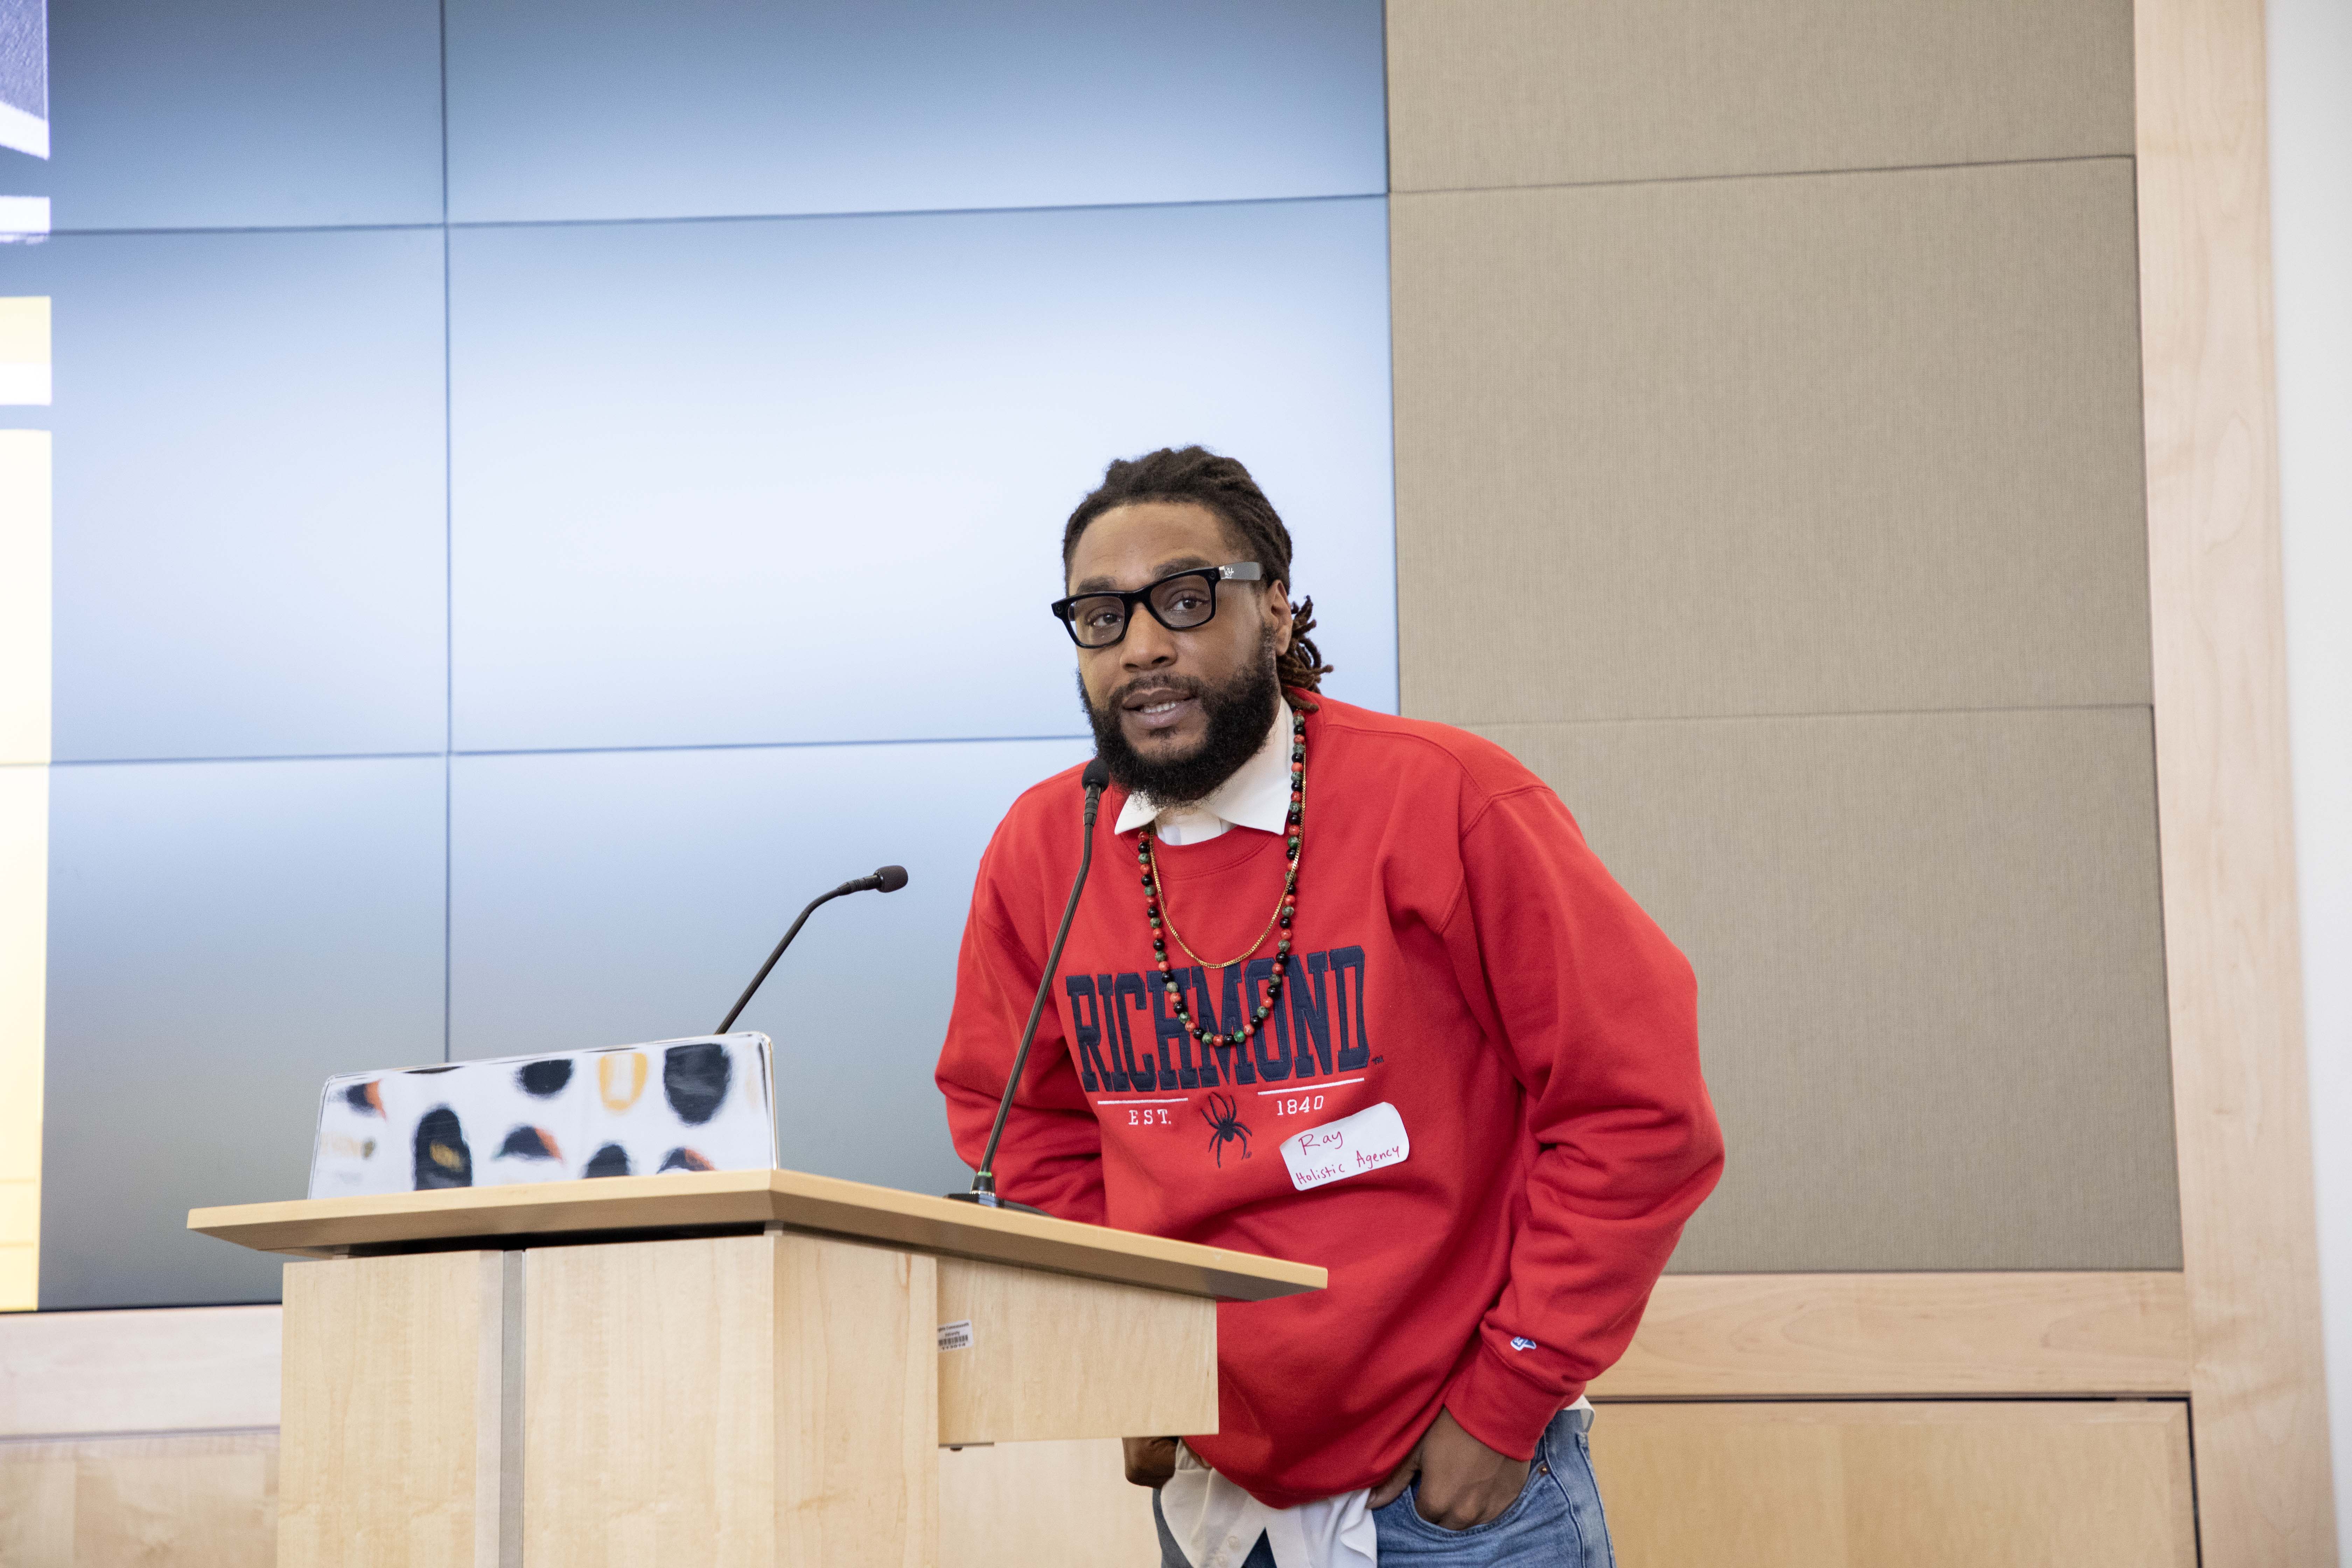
(1277, 609)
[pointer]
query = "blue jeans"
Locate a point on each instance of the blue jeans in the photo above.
(1556, 1524)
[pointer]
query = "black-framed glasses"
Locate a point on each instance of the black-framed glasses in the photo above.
(1179, 601)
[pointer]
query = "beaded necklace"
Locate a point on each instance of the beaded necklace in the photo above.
(1163, 926)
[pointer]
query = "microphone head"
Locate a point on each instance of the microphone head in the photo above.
(889, 878)
(1098, 775)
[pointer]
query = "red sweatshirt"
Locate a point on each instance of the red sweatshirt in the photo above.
(1459, 955)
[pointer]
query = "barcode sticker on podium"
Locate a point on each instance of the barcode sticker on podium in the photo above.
(956, 1336)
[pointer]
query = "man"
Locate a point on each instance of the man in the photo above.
(1364, 1000)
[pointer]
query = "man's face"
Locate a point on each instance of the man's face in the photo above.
(1153, 679)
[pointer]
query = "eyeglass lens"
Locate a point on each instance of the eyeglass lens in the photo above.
(1180, 603)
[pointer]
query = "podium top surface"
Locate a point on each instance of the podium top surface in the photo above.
(619, 1208)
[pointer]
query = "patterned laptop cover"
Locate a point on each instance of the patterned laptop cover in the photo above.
(702, 1104)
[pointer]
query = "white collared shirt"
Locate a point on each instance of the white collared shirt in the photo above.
(1257, 796)
(1216, 1523)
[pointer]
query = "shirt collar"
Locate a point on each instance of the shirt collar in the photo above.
(1257, 796)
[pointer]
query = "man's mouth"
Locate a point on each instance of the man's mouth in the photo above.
(1156, 710)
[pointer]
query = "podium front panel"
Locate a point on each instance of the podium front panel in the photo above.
(732, 1401)
(570, 1382)
(392, 1434)
(1025, 1355)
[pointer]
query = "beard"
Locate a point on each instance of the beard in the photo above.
(1239, 713)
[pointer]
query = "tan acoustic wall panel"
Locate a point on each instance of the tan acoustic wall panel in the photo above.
(2060, 1484)
(1838, 444)
(1530, 92)
(1931, 985)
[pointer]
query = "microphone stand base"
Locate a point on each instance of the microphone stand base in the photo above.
(989, 1200)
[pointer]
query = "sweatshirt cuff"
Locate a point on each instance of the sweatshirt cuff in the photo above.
(1500, 1408)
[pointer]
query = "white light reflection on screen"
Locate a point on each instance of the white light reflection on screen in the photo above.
(24, 219)
(25, 76)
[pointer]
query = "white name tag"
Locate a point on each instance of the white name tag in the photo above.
(1348, 1147)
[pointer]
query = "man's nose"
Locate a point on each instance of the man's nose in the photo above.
(1147, 645)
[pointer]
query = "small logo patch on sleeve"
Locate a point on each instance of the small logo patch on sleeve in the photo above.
(1521, 1342)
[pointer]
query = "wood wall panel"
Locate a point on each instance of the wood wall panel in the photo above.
(201, 1501)
(1930, 971)
(2230, 938)
(155, 1370)
(2056, 1484)
(1534, 92)
(1734, 1336)
(1851, 443)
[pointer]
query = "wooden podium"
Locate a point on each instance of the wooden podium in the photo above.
(752, 1367)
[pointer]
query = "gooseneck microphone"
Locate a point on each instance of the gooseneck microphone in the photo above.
(1097, 778)
(889, 879)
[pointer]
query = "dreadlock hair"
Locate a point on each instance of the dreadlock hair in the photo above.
(1197, 475)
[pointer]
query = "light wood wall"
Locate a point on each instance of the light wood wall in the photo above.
(138, 1437)
(125, 1436)
(192, 1501)
(2062, 1484)
(1824, 1484)
(2230, 944)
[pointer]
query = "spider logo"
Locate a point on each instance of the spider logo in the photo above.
(1226, 1127)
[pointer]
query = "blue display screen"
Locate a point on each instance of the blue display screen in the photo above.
(475, 429)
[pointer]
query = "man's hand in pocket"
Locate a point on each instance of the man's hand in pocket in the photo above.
(1463, 1483)
(1150, 1460)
